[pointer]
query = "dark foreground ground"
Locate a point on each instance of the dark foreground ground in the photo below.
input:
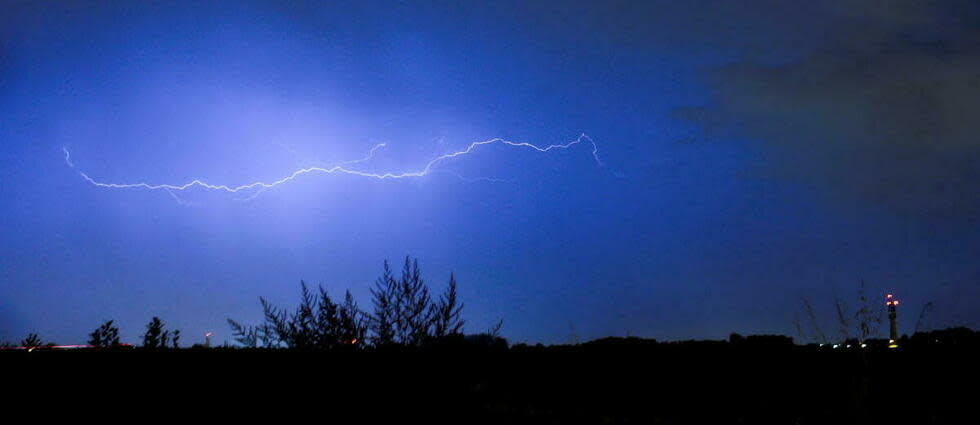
(615, 381)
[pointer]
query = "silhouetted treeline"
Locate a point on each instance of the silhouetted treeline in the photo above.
(406, 359)
(404, 314)
(751, 379)
(105, 336)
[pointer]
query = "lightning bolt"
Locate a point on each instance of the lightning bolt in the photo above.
(343, 168)
(67, 157)
(369, 156)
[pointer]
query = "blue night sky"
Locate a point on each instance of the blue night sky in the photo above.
(754, 153)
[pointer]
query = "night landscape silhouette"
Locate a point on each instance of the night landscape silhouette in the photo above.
(544, 212)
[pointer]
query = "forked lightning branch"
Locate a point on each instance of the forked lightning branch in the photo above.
(346, 167)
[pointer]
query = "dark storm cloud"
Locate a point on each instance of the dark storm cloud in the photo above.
(883, 109)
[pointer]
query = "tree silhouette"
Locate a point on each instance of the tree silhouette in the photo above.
(413, 306)
(156, 336)
(31, 342)
(247, 336)
(105, 336)
(254, 336)
(868, 316)
(351, 321)
(446, 318)
(318, 323)
(384, 296)
(275, 322)
(815, 331)
(327, 332)
(494, 330)
(854, 325)
(404, 314)
(300, 326)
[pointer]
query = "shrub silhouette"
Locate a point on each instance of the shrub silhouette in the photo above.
(306, 328)
(404, 314)
(382, 321)
(403, 309)
(318, 323)
(157, 337)
(446, 313)
(31, 342)
(104, 336)
(352, 322)
(853, 325)
(247, 336)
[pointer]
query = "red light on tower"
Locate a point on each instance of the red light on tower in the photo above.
(892, 304)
